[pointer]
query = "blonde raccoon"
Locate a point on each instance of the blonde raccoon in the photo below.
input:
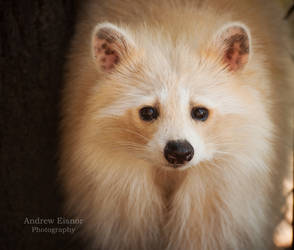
(176, 124)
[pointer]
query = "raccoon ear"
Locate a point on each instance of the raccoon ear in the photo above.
(110, 45)
(234, 41)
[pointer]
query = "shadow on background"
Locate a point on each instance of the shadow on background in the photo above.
(33, 42)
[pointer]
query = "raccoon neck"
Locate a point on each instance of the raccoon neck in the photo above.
(168, 182)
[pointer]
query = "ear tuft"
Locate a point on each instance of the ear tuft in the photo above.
(110, 45)
(235, 44)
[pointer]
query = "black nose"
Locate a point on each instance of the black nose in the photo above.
(178, 152)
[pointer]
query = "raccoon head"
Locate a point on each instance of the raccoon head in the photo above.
(167, 102)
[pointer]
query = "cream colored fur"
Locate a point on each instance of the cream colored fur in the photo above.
(112, 166)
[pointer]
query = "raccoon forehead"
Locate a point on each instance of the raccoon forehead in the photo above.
(121, 105)
(180, 98)
(224, 101)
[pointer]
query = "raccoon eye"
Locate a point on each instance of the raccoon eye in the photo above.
(148, 113)
(199, 113)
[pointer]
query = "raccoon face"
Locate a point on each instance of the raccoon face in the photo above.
(166, 108)
(176, 152)
(178, 141)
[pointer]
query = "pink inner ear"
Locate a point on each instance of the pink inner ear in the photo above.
(105, 54)
(237, 50)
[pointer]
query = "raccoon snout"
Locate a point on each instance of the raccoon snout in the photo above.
(178, 152)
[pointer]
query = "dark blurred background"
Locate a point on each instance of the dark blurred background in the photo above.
(34, 39)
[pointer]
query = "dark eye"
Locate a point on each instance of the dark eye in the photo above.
(199, 113)
(148, 113)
